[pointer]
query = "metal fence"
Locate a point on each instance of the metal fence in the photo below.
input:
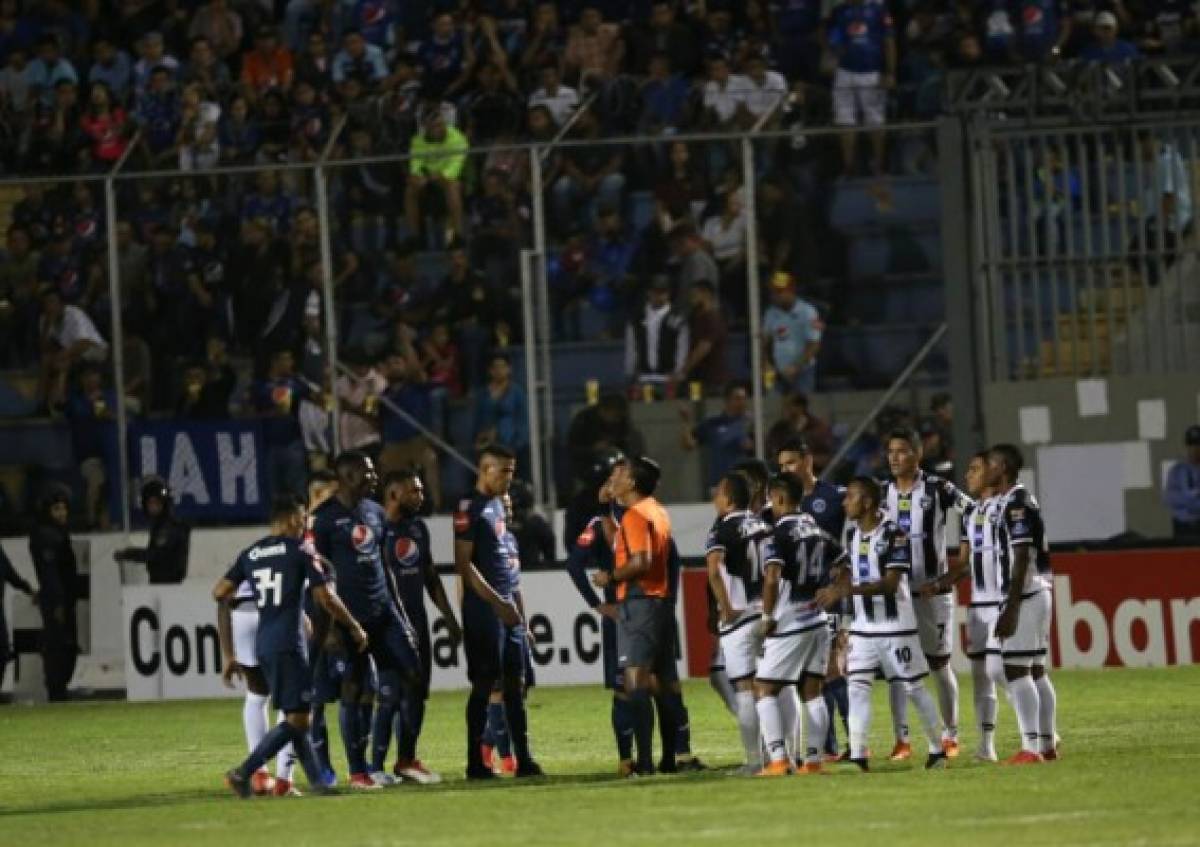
(788, 179)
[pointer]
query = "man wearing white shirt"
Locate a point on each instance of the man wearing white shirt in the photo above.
(561, 100)
(656, 342)
(67, 336)
(724, 94)
(765, 89)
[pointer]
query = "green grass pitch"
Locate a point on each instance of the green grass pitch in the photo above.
(131, 774)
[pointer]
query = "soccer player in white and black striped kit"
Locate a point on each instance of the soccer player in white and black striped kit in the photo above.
(918, 503)
(978, 558)
(883, 636)
(1023, 625)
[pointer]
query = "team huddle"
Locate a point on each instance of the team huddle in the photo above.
(814, 593)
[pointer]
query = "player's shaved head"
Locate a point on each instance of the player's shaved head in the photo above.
(734, 490)
(287, 515)
(787, 491)
(497, 465)
(1004, 464)
(356, 476)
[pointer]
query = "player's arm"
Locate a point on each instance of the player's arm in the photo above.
(472, 580)
(223, 592)
(437, 593)
(888, 585)
(578, 562)
(1017, 522)
(772, 576)
(330, 602)
(714, 560)
(954, 572)
(839, 585)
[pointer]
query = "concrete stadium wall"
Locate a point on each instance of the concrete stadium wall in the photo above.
(1097, 449)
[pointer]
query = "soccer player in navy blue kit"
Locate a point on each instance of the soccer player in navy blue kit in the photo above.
(348, 531)
(494, 634)
(279, 568)
(408, 556)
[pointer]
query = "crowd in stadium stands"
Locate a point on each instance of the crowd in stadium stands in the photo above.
(215, 268)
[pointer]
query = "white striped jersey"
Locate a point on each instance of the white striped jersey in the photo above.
(921, 513)
(740, 537)
(1019, 523)
(806, 554)
(979, 528)
(871, 554)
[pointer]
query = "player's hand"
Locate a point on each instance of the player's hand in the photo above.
(607, 610)
(360, 637)
(1006, 624)
(828, 596)
(602, 579)
(231, 671)
(508, 613)
(928, 589)
(764, 628)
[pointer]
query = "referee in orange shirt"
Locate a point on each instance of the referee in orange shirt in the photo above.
(645, 642)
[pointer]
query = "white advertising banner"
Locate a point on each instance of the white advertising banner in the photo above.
(172, 649)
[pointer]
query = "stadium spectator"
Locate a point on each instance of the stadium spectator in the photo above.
(158, 117)
(105, 125)
(54, 562)
(314, 64)
(238, 134)
(494, 106)
(561, 100)
(113, 67)
(765, 89)
(727, 437)
(268, 67)
(665, 33)
(591, 177)
(547, 41)
(604, 426)
(609, 255)
(359, 60)
(937, 436)
(446, 58)
(695, 264)
(1106, 48)
(724, 96)
(1182, 491)
(205, 68)
(153, 55)
(439, 154)
(707, 338)
(358, 395)
(90, 410)
(276, 401)
(199, 147)
(1168, 26)
(798, 422)
(52, 140)
(501, 415)
(861, 36)
(656, 341)
(16, 91)
(594, 48)
(208, 384)
(792, 330)
(220, 26)
(1045, 28)
(19, 290)
(404, 444)
(67, 337)
(665, 98)
(1166, 207)
(724, 236)
(48, 69)
(440, 360)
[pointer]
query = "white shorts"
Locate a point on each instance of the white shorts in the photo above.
(1031, 639)
(787, 659)
(981, 631)
(935, 624)
(741, 644)
(897, 657)
(245, 632)
(717, 662)
(858, 94)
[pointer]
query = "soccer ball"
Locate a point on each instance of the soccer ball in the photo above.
(261, 782)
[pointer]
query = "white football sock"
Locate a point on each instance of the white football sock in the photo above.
(789, 713)
(719, 680)
(947, 688)
(1047, 712)
(898, 700)
(254, 718)
(986, 706)
(747, 716)
(1024, 693)
(771, 723)
(816, 726)
(919, 695)
(860, 715)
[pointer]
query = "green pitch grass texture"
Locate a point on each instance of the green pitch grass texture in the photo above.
(132, 774)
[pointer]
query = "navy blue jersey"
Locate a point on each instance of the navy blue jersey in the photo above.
(824, 505)
(408, 555)
(277, 567)
(352, 540)
(479, 519)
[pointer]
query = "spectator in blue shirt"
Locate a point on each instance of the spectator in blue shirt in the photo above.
(406, 445)
(276, 400)
(360, 60)
(445, 59)
(1045, 27)
(1107, 48)
(1182, 491)
(664, 98)
(112, 67)
(48, 70)
(500, 410)
(727, 437)
(159, 114)
(90, 411)
(861, 35)
(792, 337)
(374, 19)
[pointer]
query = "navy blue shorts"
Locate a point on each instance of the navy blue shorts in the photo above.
(330, 669)
(424, 653)
(289, 680)
(494, 651)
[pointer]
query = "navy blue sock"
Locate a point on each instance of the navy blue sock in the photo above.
(409, 722)
(303, 747)
(477, 721)
(518, 722)
(366, 711)
(642, 710)
(272, 743)
(683, 725)
(348, 718)
(497, 729)
(381, 734)
(837, 699)
(666, 728)
(622, 725)
(320, 737)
